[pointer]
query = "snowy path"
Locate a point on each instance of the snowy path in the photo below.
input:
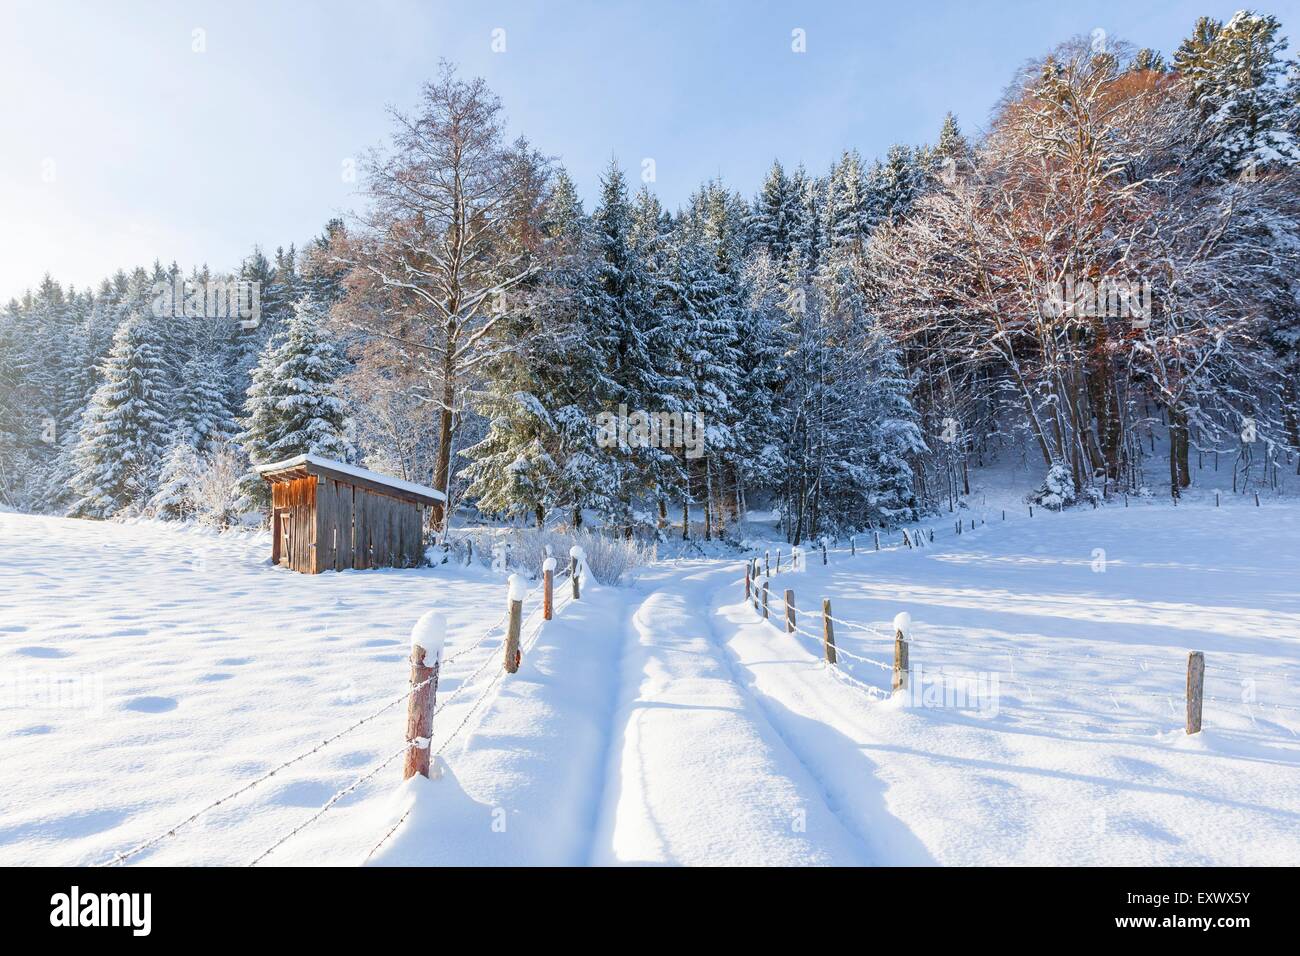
(699, 776)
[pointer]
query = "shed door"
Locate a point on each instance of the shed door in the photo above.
(286, 537)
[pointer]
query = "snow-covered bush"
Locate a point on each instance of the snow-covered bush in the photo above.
(174, 499)
(214, 491)
(608, 557)
(1057, 490)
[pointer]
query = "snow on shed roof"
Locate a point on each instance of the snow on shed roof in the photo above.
(316, 462)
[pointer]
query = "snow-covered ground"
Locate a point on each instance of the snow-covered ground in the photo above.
(146, 670)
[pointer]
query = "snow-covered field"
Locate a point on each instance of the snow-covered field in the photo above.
(146, 670)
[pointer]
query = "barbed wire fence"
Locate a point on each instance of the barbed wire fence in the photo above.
(772, 605)
(493, 653)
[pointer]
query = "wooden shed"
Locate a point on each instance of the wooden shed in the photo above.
(326, 515)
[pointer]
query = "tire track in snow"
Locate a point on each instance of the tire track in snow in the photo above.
(697, 774)
(809, 719)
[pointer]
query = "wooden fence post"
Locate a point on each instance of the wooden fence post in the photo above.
(1216, 499)
(577, 557)
(767, 563)
(931, 535)
(516, 598)
(746, 580)
(1031, 511)
(1195, 690)
(778, 560)
(823, 552)
(789, 611)
(548, 588)
(902, 622)
(765, 582)
(427, 639)
(828, 631)
(853, 547)
(877, 540)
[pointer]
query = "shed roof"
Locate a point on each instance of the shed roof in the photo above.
(303, 465)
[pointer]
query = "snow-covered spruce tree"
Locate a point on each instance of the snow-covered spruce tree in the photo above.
(863, 428)
(293, 407)
(620, 317)
(123, 433)
(952, 155)
(808, 219)
(894, 437)
(1293, 97)
(251, 343)
(1147, 59)
(895, 184)
(1057, 490)
(174, 499)
(661, 473)
(773, 221)
(712, 299)
(1236, 76)
(761, 333)
(848, 210)
(202, 415)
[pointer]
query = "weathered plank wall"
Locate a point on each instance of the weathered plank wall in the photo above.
(351, 527)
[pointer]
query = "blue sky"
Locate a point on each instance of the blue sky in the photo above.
(120, 143)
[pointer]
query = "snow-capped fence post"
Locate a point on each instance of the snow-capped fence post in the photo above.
(746, 580)
(548, 588)
(516, 619)
(576, 558)
(1216, 499)
(902, 623)
(767, 563)
(828, 631)
(823, 552)
(1195, 690)
(427, 639)
(778, 560)
(789, 610)
(765, 590)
